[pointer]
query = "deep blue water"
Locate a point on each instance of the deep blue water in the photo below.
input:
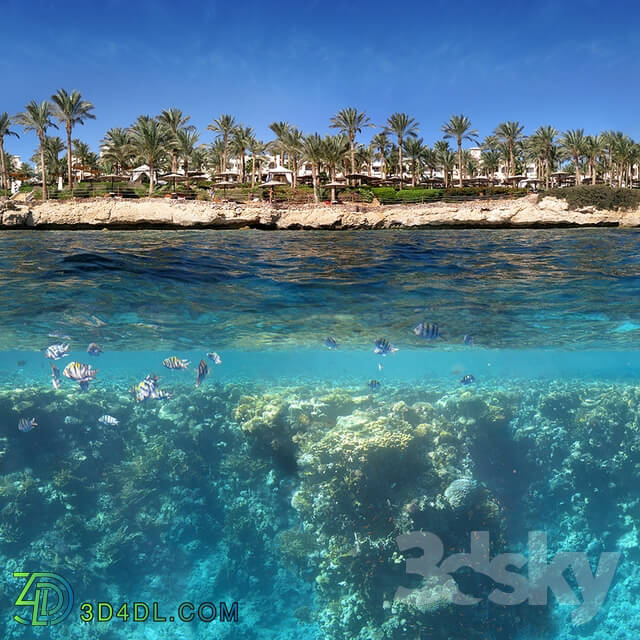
(282, 481)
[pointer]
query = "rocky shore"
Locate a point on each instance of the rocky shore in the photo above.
(112, 213)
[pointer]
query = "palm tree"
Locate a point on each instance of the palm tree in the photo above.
(185, 147)
(350, 122)
(573, 143)
(279, 145)
(5, 124)
(240, 138)
(72, 110)
(543, 142)
(447, 160)
(594, 147)
(414, 148)
(459, 127)
(256, 149)
(38, 117)
(293, 140)
(150, 142)
(223, 126)
(83, 154)
(381, 142)
(53, 147)
(117, 149)
(335, 150)
(624, 152)
(509, 133)
(313, 151)
(490, 161)
(402, 126)
(174, 121)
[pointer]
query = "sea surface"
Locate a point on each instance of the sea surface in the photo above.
(280, 485)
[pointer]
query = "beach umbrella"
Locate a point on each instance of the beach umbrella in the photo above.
(175, 177)
(271, 184)
(335, 185)
(224, 184)
(114, 177)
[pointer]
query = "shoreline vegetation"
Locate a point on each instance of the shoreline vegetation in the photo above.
(165, 156)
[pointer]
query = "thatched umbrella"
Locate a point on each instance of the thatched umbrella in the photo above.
(335, 185)
(271, 184)
(176, 177)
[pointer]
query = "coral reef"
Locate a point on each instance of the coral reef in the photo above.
(303, 489)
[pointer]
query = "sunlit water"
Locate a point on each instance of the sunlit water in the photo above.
(282, 481)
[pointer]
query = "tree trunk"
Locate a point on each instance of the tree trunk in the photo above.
(253, 170)
(593, 171)
(69, 165)
(4, 182)
(174, 163)
(294, 175)
(185, 164)
(150, 179)
(610, 170)
(575, 159)
(460, 163)
(400, 159)
(224, 154)
(512, 169)
(314, 177)
(352, 146)
(44, 171)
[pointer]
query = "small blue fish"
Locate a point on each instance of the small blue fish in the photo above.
(428, 331)
(468, 379)
(203, 370)
(383, 347)
(374, 385)
(26, 425)
(331, 343)
(110, 420)
(468, 340)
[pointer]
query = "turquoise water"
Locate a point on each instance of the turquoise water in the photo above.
(282, 482)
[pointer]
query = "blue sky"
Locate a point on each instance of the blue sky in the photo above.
(565, 64)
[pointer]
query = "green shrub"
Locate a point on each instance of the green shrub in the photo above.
(599, 196)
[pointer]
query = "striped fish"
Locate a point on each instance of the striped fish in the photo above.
(203, 370)
(148, 388)
(110, 420)
(427, 330)
(83, 374)
(55, 376)
(57, 351)
(212, 355)
(331, 343)
(383, 347)
(26, 425)
(175, 363)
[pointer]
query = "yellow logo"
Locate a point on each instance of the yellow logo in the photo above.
(51, 598)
